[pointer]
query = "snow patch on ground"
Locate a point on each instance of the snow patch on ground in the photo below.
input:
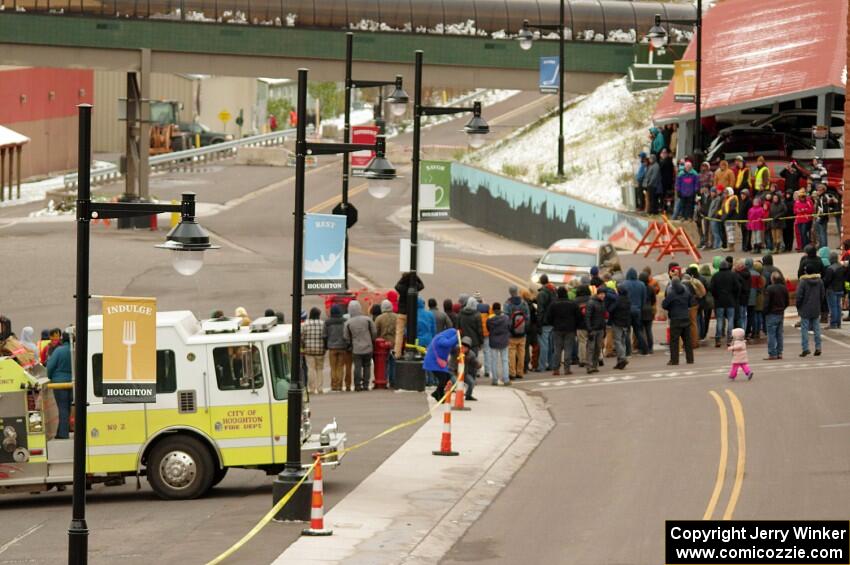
(35, 191)
(603, 133)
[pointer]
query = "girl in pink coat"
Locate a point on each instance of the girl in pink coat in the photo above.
(755, 223)
(739, 355)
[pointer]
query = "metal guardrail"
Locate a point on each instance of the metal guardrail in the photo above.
(188, 157)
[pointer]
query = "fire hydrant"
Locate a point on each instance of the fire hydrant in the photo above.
(382, 352)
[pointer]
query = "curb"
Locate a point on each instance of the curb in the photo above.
(454, 523)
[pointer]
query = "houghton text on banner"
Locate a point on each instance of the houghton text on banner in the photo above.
(129, 349)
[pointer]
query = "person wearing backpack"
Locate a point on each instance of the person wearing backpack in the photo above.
(545, 298)
(519, 316)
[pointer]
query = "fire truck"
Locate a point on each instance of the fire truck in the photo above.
(221, 402)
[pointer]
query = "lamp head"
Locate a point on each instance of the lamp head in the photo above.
(657, 35)
(398, 99)
(525, 36)
(187, 240)
(379, 172)
(477, 127)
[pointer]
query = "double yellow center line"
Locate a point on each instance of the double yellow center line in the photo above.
(741, 436)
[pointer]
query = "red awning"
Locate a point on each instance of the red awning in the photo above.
(758, 52)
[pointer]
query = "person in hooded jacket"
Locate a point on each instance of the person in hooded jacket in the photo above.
(810, 259)
(519, 315)
(620, 318)
(441, 319)
(756, 284)
(687, 186)
(654, 188)
(402, 287)
(678, 302)
(563, 315)
(339, 352)
(545, 298)
(777, 213)
(668, 176)
(499, 327)
(834, 279)
(594, 321)
(426, 326)
(437, 357)
(647, 314)
(28, 340)
(769, 268)
(59, 371)
(469, 324)
(360, 334)
(803, 210)
(776, 301)
(726, 290)
(637, 293)
(657, 139)
(448, 308)
(740, 269)
(385, 326)
(532, 332)
(810, 295)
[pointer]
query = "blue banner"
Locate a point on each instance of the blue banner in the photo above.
(324, 254)
(550, 75)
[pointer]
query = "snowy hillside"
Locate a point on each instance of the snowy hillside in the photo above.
(603, 133)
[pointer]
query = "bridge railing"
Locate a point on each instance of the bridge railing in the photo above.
(189, 157)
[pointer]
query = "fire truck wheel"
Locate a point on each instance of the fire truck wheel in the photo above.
(180, 468)
(218, 475)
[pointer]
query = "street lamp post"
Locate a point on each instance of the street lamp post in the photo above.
(187, 241)
(526, 38)
(659, 37)
(476, 129)
(398, 103)
(378, 172)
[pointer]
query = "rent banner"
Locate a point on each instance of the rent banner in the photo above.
(685, 81)
(360, 159)
(435, 184)
(550, 75)
(324, 254)
(129, 349)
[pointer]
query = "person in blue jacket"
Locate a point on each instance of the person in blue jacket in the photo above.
(436, 363)
(59, 371)
(426, 324)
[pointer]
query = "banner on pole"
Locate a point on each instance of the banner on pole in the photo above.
(324, 253)
(550, 75)
(435, 184)
(685, 81)
(360, 159)
(129, 349)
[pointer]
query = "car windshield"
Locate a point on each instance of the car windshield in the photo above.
(570, 259)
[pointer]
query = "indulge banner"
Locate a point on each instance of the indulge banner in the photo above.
(129, 349)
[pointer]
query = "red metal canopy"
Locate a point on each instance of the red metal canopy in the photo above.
(758, 52)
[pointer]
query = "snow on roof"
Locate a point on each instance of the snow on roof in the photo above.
(11, 138)
(759, 52)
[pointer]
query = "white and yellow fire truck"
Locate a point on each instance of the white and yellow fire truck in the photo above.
(221, 396)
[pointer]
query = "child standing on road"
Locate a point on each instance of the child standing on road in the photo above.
(739, 355)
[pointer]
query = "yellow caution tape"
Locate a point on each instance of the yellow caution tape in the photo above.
(336, 453)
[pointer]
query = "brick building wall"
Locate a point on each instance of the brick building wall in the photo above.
(845, 218)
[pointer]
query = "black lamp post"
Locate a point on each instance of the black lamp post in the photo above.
(526, 38)
(658, 37)
(476, 129)
(398, 103)
(378, 172)
(188, 240)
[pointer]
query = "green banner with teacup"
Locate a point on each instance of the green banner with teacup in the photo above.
(435, 181)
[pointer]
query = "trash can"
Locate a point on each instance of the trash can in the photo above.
(382, 352)
(409, 374)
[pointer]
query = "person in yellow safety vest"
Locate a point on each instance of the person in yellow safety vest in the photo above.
(762, 180)
(729, 211)
(742, 174)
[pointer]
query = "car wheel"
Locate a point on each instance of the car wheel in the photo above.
(180, 468)
(219, 474)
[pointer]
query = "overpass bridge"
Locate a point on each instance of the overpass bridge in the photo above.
(467, 43)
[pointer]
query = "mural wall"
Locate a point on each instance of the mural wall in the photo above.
(534, 215)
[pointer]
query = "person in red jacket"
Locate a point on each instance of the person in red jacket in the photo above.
(803, 210)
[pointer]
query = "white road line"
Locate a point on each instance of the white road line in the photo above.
(560, 383)
(835, 341)
(578, 383)
(16, 539)
(842, 425)
(629, 378)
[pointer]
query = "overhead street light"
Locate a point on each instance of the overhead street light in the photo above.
(526, 37)
(380, 170)
(475, 129)
(658, 38)
(398, 100)
(187, 241)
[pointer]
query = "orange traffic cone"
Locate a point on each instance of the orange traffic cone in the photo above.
(446, 441)
(460, 389)
(317, 512)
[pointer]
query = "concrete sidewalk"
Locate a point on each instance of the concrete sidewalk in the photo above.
(415, 506)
